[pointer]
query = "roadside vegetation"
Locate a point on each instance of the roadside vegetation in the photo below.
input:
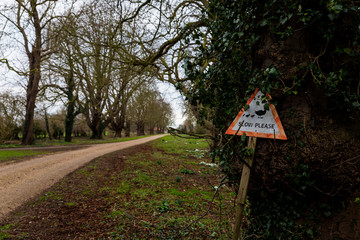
(11, 152)
(76, 141)
(162, 190)
(11, 155)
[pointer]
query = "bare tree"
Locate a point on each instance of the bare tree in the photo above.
(139, 107)
(160, 31)
(165, 117)
(149, 109)
(125, 84)
(11, 108)
(96, 65)
(107, 78)
(31, 19)
(61, 82)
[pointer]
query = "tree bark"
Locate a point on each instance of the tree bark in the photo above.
(47, 125)
(140, 128)
(96, 133)
(34, 57)
(69, 121)
(117, 125)
(151, 131)
(71, 112)
(127, 128)
(118, 133)
(31, 94)
(97, 128)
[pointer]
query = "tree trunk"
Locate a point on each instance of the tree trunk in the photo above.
(71, 113)
(69, 124)
(118, 125)
(151, 130)
(97, 129)
(34, 57)
(140, 128)
(96, 134)
(160, 130)
(31, 94)
(118, 133)
(127, 128)
(47, 125)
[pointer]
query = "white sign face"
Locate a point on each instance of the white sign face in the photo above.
(256, 118)
(260, 119)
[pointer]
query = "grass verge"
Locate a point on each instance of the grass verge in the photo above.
(16, 153)
(75, 141)
(138, 193)
(10, 155)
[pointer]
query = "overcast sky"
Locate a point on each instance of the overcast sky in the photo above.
(172, 96)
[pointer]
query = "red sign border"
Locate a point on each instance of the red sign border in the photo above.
(280, 136)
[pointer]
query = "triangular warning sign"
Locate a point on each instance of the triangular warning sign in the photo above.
(258, 120)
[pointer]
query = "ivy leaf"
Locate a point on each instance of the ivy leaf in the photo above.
(356, 105)
(347, 51)
(273, 70)
(284, 19)
(266, 106)
(338, 7)
(264, 23)
(240, 34)
(331, 16)
(243, 137)
(299, 8)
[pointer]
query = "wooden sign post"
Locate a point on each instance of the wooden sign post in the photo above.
(244, 182)
(260, 119)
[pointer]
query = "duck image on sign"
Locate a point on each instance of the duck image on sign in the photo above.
(260, 119)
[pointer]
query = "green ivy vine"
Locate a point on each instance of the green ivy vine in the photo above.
(228, 67)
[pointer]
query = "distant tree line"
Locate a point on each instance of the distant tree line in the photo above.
(96, 59)
(146, 113)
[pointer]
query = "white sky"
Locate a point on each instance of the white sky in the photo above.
(173, 97)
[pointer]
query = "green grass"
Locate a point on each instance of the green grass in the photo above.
(150, 186)
(52, 195)
(17, 154)
(75, 141)
(147, 190)
(181, 145)
(3, 231)
(71, 204)
(176, 192)
(144, 198)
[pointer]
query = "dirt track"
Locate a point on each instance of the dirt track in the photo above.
(21, 181)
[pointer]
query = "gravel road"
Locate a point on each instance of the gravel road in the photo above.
(19, 182)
